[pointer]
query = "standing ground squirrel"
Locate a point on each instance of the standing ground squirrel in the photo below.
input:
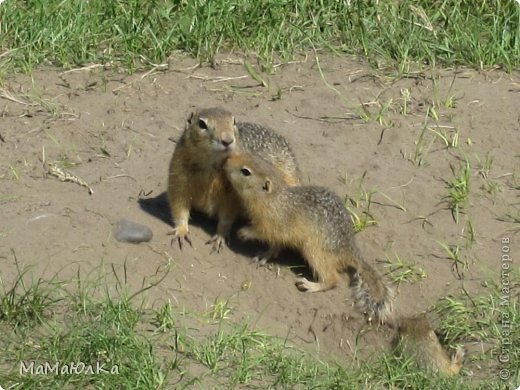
(196, 179)
(312, 220)
(418, 341)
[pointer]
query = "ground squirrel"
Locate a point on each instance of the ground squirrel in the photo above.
(312, 220)
(196, 179)
(417, 341)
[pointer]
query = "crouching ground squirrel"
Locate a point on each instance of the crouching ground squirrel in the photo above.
(417, 341)
(196, 179)
(312, 220)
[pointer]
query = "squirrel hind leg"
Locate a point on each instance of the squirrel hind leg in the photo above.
(327, 276)
(323, 267)
(303, 284)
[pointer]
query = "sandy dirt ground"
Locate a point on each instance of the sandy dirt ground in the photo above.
(359, 132)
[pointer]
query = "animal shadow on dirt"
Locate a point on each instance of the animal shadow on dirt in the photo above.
(158, 208)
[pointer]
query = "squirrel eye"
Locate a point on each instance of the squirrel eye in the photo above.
(245, 172)
(203, 124)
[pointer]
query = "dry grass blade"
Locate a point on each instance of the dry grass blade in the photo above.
(9, 96)
(55, 171)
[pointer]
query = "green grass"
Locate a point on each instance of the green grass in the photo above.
(458, 189)
(490, 320)
(139, 33)
(454, 253)
(22, 301)
(158, 346)
(358, 205)
(400, 271)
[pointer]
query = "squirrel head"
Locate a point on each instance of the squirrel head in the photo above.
(251, 176)
(213, 129)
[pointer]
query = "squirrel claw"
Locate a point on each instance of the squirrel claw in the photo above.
(217, 243)
(263, 258)
(301, 284)
(180, 233)
(305, 285)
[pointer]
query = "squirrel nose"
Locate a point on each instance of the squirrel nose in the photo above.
(227, 142)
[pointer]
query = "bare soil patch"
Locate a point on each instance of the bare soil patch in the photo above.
(113, 130)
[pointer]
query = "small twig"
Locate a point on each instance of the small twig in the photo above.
(117, 176)
(291, 62)
(402, 185)
(9, 96)
(504, 175)
(55, 171)
(381, 136)
(326, 118)
(231, 61)
(6, 53)
(215, 79)
(188, 69)
(156, 67)
(93, 66)
(229, 78)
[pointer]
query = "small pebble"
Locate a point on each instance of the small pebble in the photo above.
(128, 231)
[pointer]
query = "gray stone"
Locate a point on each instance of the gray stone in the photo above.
(128, 231)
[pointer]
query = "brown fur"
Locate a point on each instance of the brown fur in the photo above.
(418, 341)
(312, 220)
(196, 179)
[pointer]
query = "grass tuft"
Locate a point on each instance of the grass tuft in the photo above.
(169, 348)
(458, 189)
(138, 33)
(400, 271)
(26, 301)
(490, 321)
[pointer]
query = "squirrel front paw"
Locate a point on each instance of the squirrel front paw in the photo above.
(217, 243)
(181, 234)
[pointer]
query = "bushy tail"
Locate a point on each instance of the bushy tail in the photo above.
(372, 296)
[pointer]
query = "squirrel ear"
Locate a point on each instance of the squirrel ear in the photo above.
(190, 118)
(268, 186)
